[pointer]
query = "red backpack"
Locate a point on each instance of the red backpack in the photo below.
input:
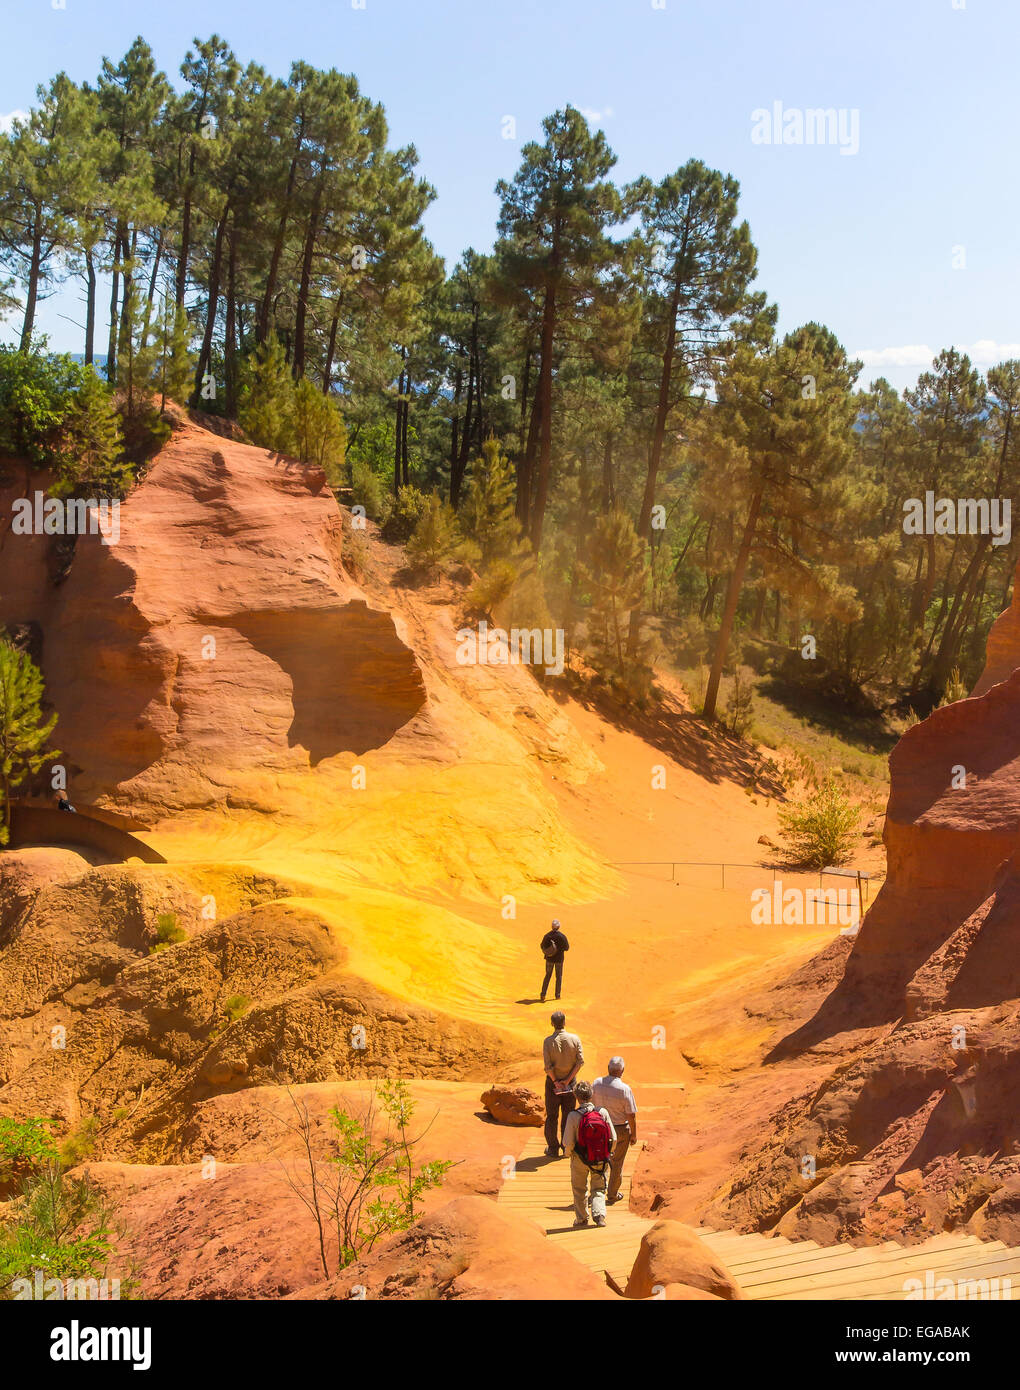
(594, 1139)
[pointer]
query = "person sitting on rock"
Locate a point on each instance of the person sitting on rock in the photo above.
(563, 1057)
(588, 1140)
(62, 802)
(612, 1092)
(554, 943)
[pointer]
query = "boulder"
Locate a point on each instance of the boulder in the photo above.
(672, 1254)
(514, 1105)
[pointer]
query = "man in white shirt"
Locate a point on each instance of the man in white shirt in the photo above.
(588, 1166)
(612, 1093)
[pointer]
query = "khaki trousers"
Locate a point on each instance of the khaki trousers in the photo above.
(619, 1156)
(580, 1178)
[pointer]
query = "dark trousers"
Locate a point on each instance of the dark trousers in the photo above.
(548, 975)
(557, 1108)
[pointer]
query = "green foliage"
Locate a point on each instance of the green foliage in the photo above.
(493, 589)
(407, 510)
(435, 533)
(318, 432)
(236, 1006)
(821, 829)
(88, 446)
(368, 491)
(25, 1145)
(267, 402)
(24, 732)
(488, 518)
(368, 1184)
(57, 1224)
(168, 933)
(57, 414)
(615, 572)
(293, 417)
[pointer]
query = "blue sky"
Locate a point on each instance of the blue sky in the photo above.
(864, 242)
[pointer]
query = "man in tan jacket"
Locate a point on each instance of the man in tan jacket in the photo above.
(563, 1057)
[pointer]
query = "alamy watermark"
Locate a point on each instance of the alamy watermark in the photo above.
(521, 646)
(40, 515)
(961, 516)
(814, 125)
(43, 1286)
(931, 1287)
(799, 907)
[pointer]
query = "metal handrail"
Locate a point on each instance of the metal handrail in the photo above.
(859, 874)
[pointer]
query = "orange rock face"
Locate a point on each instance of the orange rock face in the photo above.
(220, 633)
(917, 1130)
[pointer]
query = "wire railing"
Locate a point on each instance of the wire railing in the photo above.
(861, 878)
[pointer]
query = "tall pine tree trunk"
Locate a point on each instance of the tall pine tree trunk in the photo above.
(730, 610)
(230, 327)
(205, 355)
(90, 306)
(543, 404)
(304, 288)
(119, 248)
(34, 274)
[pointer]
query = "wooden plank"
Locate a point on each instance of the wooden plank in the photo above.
(887, 1268)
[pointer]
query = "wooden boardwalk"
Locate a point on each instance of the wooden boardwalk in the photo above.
(765, 1267)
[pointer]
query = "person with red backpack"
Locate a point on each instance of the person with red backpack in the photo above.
(588, 1139)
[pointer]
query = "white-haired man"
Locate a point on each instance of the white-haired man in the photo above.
(614, 1096)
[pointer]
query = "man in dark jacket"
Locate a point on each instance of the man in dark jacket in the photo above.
(554, 943)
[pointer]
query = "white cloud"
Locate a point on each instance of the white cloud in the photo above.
(7, 121)
(594, 117)
(984, 353)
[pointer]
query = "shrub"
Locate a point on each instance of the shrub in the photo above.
(317, 430)
(56, 1224)
(88, 445)
(24, 733)
(435, 533)
(493, 588)
(168, 933)
(236, 1006)
(364, 1181)
(368, 491)
(821, 828)
(57, 414)
(407, 510)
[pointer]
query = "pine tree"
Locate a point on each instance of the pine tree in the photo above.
(554, 224)
(779, 431)
(615, 575)
(267, 401)
(23, 730)
(89, 445)
(317, 430)
(435, 533)
(488, 517)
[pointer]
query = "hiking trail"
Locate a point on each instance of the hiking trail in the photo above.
(765, 1267)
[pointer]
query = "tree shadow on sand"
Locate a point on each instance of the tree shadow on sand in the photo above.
(667, 726)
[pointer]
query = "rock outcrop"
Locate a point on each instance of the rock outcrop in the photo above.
(102, 1017)
(218, 634)
(917, 1131)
